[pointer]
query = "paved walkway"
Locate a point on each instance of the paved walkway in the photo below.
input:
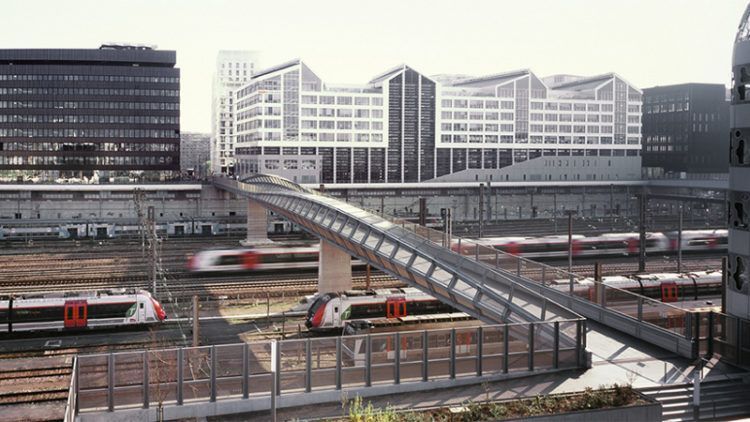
(617, 358)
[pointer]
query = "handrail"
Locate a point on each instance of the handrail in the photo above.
(71, 406)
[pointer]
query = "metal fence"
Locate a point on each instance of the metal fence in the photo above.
(662, 323)
(168, 377)
(686, 332)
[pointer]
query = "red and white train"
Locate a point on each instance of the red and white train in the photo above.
(257, 259)
(79, 310)
(334, 311)
(602, 245)
(666, 287)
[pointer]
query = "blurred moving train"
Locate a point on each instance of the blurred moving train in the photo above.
(256, 259)
(79, 310)
(337, 310)
(601, 245)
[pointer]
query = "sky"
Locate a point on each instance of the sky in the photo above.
(648, 42)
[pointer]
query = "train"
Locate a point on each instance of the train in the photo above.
(607, 244)
(337, 310)
(334, 310)
(73, 311)
(107, 230)
(666, 287)
(254, 259)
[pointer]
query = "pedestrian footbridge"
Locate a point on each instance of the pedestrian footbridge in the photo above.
(466, 284)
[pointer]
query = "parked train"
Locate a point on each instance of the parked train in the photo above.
(79, 310)
(666, 287)
(602, 245)
(100, 230)
(333, 310)
(336, 311)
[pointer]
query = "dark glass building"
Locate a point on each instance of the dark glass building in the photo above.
(105, 113)
(685, 129)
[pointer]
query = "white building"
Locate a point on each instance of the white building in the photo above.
(404, 127)
(233, 69)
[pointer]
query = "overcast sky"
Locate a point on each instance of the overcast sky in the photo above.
(648, 42)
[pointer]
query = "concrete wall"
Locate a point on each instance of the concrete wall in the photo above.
(555, 169)
(61, 204)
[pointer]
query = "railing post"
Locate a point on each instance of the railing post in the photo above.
(308, 365)
(737, 339)
(556, 347)
(180, 375)
(277, 356)
(480, 351)
(397, 361)
(476, 252)
(710, 335)
(578, 343)
(640, 308)
(452, 362)
(518, 266)
(245, 370)
(146, 398)
(497, 258)
(338, 363)
(459, 247)
(544, 269)
(531, 346)
(275, 365)
(368, 361)
(425, 353)
(77, 385)
(111, 382)
(506, 358)
(213, 373)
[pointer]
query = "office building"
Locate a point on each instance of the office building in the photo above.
(737, 297)
(195, 154)
(110, 113)
(685, 129)
(233, 69)
(405, 127)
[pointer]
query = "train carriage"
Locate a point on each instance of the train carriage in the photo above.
(79, 310)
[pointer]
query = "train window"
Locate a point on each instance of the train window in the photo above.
(228, 260)
(131, 311)
(70, 313)
(141, 306)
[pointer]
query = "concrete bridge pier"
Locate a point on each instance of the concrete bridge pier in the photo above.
(334, 269)
(257, 225)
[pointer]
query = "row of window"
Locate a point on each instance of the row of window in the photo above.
(136, 160)
(313, 137)
(90, 119)
(341, 125)
(508, 127)
(90, 78)
(535, 139)
(89, 146)
(90, 91)
(341, 100)
(87, 133)
(534, 105)
(266, 151)
(105, 105)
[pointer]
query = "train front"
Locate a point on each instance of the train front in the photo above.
(157, 308)
(315, 318)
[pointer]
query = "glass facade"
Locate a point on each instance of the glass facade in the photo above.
(74, 113)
